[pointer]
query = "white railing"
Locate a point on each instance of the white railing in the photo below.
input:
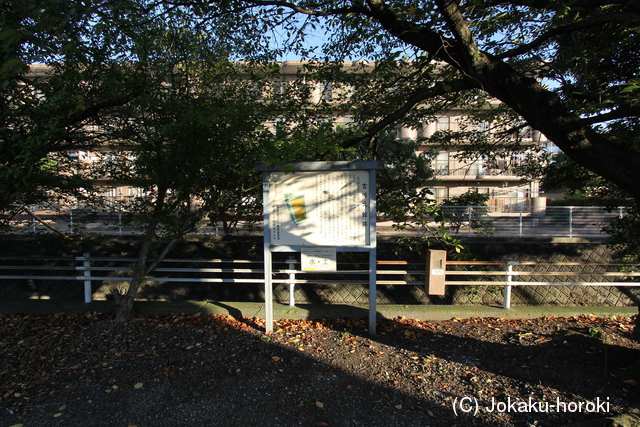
(522, 221)
(505, 274)
(466, 172)
(466, 273)
(507, 221)
(111, 269)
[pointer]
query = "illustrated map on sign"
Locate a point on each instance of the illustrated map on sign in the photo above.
(297, 208)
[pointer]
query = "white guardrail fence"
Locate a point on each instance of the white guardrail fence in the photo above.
(521, 221)
(92, 271)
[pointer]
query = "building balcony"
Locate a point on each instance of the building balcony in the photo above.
(468, 175)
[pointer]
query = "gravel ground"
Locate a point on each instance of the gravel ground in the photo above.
(215, 370)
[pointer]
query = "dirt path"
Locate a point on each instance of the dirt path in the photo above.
(197, 370)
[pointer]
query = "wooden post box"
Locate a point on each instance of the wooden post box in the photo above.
(435, 274)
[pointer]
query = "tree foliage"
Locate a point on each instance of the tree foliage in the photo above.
(156, 93)
(65, 67)
(568, 70)
(190, 147)
(469, 208)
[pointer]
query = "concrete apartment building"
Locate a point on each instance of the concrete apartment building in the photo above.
(497, 177)
(455, 176)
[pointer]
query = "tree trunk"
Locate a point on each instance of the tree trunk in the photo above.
(124, 300)
(123, 306)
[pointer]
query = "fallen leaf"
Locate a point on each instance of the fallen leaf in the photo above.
(629, 384)
(398, 406)
(320, 405)
(138, 386)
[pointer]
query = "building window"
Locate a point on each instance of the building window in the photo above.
(327, 91)
(278, 127)
(481, 126)
(444, 123)
(279, 87)
(254, 89)
(439, 193)
(110, 193)
(136, 192)
(477, 167)
(525, 132)
(442, 163)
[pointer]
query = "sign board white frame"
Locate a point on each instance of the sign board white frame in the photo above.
(319, 205)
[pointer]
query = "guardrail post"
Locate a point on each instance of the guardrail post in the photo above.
(119, 220)
(88, 294)
(292, 281)
(507, 288)
(570, 221)
(34, 223)
(71, 219)
(520, 223)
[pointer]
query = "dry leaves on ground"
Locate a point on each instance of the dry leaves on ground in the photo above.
(186, 369)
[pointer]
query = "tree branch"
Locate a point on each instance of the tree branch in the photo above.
(43, 222)
(94, 109)
(307, 11)
(582, 4)
(609, 18)
(457, 24)
(619, 113)
(413, 100)
(424, 38)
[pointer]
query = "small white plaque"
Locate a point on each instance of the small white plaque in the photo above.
(318, 259)
(437, 272)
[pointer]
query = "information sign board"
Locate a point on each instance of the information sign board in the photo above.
(318, 209)
(323, 208)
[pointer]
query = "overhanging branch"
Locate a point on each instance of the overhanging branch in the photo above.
(608, 18)
(413, 100)
(619, 113)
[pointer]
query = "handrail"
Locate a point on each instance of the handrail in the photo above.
(511, 219)
(89, 266)
(509, 273)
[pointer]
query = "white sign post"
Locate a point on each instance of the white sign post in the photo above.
(318, 209)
